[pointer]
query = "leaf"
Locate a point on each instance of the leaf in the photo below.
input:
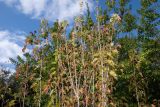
(34, 85)
(51, 92)
(110, 62)
(95, 60)
(50, 104)
(113, 74)
(115, 52)
(38, 79)
(11, 103)
(2, 96)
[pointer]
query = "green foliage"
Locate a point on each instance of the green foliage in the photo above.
(94, 65)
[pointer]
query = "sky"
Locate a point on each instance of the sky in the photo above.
(19, 17)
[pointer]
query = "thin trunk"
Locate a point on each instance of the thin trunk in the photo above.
(82, 69)
(25, 86)
(93, 78)
(104, 85)
(56, 98)
(104, 104)
(23, 97)
(76, 77)
(59, 94)
(137, 97)
(2, 103)
(93, 102)
(59, 98)
(40, 81)
(19, 102)
(70, 74)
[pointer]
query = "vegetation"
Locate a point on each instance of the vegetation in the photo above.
(102, 62)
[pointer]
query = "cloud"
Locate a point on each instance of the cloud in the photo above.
(49, 9)
(9, 2)
(32, 7)
(11, 44)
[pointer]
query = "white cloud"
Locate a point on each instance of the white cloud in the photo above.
(11, 44)
(49, 9)
(32, 7)
(9, 2)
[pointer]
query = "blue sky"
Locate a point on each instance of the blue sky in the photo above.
(19, 17)
(12, 19)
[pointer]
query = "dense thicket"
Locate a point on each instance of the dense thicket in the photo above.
(112, 60)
